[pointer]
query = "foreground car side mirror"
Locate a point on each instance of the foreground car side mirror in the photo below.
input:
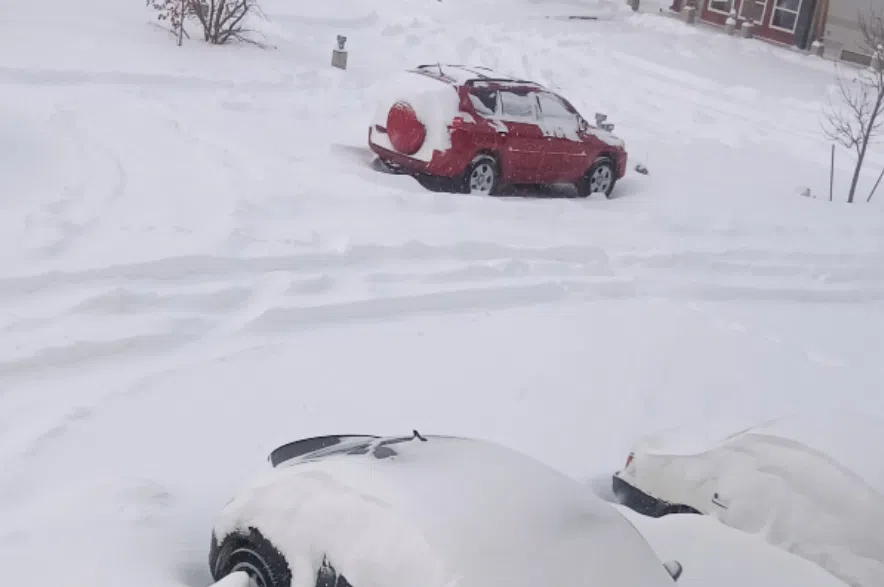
(674, 569)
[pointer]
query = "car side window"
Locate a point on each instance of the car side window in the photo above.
(518, 105)
(554, 110)
(484, 100)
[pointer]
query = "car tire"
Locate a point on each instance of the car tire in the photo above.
(482, 176)
(602, 171)
(254, 555)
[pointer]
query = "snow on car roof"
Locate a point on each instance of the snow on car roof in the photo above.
(854, 441)
(849, 439)
(412, 520)
(461, 74)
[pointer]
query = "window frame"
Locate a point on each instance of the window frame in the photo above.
(531, 94)
(796, 13)
(726, 12)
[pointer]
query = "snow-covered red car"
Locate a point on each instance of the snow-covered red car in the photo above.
(428, 511)
(477, 131)
(811, 483)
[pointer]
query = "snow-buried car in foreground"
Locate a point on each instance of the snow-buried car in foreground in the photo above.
(434, 511)
(468, 129)
(810, 483)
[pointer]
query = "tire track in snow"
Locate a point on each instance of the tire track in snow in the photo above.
(80, 139)
(68, 77)
(131, 310)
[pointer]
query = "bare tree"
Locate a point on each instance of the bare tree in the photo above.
(224, 20)
(857, 120)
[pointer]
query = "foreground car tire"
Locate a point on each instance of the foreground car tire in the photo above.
(482, 176)
(600, 177)
(255, 556)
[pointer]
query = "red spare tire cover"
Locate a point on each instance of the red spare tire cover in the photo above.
(405, 131)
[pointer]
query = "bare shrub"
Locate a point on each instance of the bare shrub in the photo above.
(222, 21)
(857, 120)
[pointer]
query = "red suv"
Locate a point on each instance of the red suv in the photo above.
(477, 132)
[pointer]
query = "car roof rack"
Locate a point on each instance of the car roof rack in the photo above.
(475, 74)
(502, 81)
(470, 68)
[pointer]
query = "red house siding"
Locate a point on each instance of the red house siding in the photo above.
(762, 26)
(794, 14)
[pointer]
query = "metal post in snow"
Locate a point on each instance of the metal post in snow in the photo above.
(339, 55)
(832, 173)
(875, 187)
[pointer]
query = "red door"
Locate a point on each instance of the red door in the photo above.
(524, 142)
(566, 155)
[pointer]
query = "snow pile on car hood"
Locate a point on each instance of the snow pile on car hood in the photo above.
(607, 137)
(714, 555)
(434, 102)
(411, 520)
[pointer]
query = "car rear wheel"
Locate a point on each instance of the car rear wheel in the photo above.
(482, 176)
(599, 178)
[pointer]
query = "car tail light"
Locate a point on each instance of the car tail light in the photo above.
(629, 460)
(458, 122)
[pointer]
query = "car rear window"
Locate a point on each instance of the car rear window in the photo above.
(484, 100)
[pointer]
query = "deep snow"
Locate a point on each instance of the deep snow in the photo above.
(198, 262)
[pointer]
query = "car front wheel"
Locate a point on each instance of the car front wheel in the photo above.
(599, 178)
(257, 558)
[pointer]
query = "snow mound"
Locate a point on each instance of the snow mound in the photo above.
(410, 517)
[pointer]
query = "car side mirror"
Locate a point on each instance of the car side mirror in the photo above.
(674, 569)
(600, 119)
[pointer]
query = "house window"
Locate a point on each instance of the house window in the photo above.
(753, 10)
(785, 15)
(722, 6)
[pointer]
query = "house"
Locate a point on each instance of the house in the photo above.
(796, 23)
(841, 32)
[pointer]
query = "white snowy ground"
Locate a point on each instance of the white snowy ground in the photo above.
(197, 264)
